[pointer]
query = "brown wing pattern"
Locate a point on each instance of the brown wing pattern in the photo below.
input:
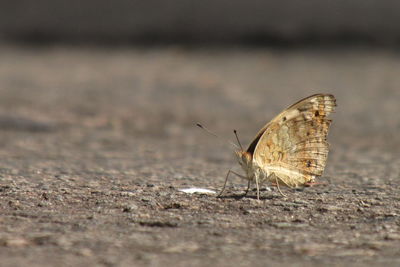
(293, 145)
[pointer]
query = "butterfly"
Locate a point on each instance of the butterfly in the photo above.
(291, 150)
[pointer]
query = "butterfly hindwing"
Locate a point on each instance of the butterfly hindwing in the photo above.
(293, 145)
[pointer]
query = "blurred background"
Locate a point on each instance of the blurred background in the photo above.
(154, 68)
(254, 21)
(101, 69)
(94, 72)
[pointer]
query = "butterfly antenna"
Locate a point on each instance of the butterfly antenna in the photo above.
(213, 134)
(237, 138)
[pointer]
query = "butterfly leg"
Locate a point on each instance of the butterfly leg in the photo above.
(258, 188)
(226, 179)
(277, 184)
(248, 188)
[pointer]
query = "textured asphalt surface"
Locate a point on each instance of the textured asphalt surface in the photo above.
(95, 144)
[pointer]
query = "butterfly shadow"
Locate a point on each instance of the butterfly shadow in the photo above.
(251, 196)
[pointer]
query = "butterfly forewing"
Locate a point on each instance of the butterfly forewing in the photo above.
(293, 145)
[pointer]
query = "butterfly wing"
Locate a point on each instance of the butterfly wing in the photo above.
(293, 146)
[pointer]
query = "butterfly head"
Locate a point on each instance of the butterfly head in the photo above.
(244, 159)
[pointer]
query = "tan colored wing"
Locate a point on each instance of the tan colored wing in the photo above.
(293, 145)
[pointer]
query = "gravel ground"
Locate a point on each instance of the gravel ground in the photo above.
(96, 143)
